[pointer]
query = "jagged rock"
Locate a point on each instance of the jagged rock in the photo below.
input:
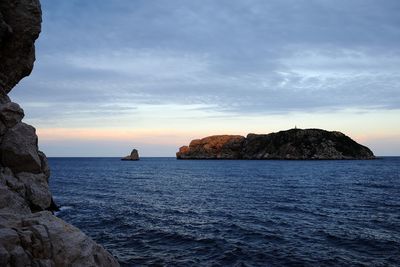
(64, 245)
(13, 182)
(8, 238)
(30, 236)
(20, 22)
(4, 256)
(74, 248)
(4, 99)
(45, 165)
(11, 114)
(291, 144)
(37, 190)
(42, 237)
(12, 202)
(19, 257)
(3, 129)
(133, 156)
(19, 149)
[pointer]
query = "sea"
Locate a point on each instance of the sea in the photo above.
(168, 212)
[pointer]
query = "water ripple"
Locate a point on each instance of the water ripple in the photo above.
(164, 212)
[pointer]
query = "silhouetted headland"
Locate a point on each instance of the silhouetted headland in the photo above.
(293, 144)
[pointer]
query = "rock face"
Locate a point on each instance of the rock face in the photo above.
(133, 156)
(41, 239)
(20, 25)
(30, 235)
(294, 144)
(19, 149)
(213, 147)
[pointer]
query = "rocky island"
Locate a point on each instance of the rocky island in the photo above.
(30, 235)
(293, 144)
(133, 156)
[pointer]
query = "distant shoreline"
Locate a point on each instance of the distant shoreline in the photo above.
(172, 157)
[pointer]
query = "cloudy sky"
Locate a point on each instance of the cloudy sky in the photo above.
(154, 74)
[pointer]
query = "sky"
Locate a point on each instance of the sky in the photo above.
(112, 75)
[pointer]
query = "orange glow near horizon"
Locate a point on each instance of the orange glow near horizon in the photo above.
(158, 136)
(165, 142)
(153, 136)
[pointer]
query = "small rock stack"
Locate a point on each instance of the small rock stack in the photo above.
(133, 156)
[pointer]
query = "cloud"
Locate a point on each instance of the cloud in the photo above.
(112, 60)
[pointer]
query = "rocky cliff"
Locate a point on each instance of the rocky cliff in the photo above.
(30, 235)
(213, 147)
(292, 144)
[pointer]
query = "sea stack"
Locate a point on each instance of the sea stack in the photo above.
(133, 156)
(30, 235)
(293, 144)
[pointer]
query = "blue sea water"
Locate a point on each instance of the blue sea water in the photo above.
(166, 212)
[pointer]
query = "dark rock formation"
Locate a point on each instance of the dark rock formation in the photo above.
(30, 235)
(292, 144)
(20, 25)
(19, 149)
(133, 156)
(11, 114)
(41, 239)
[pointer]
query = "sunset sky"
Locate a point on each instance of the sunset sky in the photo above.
(113, 75)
